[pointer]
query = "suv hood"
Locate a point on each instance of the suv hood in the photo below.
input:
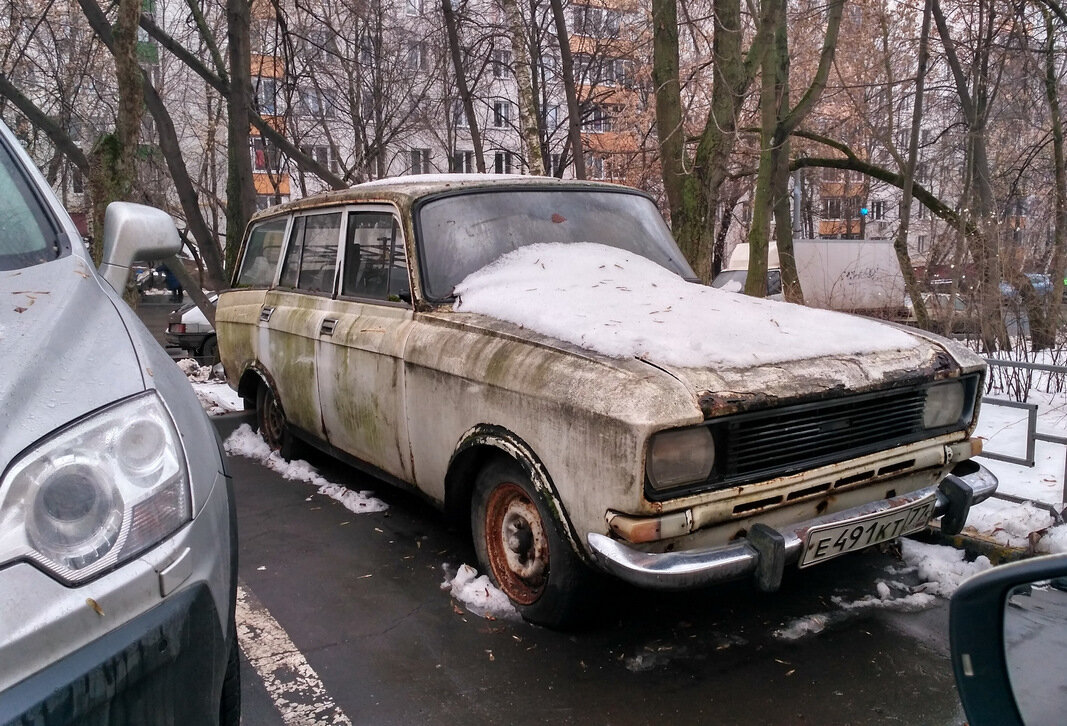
(64, 351)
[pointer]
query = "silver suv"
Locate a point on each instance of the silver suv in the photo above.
(117, 527)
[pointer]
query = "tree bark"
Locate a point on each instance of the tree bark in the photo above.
(240, 192)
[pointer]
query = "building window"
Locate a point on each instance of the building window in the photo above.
(323, 155)
(366, 50)
(417, 55)
(266, 90)
(459, 114)
(598, 121)
(413, 7)
(921, 243)
(265, 156)
(501, 63)
(552, 118)
(595, 167)
(315, 103)
(420, 161)
(366, 105)
(596, 22)
(501, 113)
(462, 162)
(502, 162)
(878, 209)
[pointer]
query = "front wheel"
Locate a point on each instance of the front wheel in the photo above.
(519, 544)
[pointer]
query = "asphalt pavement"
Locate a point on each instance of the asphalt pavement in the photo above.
(369, 637)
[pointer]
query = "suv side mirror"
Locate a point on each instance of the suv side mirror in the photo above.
(1008, 629)
(135, 232)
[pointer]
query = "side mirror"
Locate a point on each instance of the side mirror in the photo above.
(135, 232)
(1008, 630)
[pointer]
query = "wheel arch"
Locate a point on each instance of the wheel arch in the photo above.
(253, 377)
(480, 445)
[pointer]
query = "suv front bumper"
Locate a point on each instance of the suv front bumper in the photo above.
(765, 552)
(163, 667)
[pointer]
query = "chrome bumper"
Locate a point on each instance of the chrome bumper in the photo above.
(765, 552)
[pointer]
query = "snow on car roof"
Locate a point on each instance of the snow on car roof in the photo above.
(622, 305)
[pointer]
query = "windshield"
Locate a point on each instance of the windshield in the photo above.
(461, 233)
(26, 237)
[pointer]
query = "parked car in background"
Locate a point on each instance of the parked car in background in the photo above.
(189, 329)
(117, 528)
(941, 306)
(533, 355)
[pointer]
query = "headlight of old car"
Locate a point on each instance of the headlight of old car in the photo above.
(97, 492)
(944, 404)
(677, 458)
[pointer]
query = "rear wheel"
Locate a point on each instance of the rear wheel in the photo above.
(272, 424)
(519, 544)
(209, 351)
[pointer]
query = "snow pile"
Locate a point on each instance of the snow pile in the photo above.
(1008, 524)
(942, 568)
(478, 594)
(807, 625)
(248, 443)
(622, 305)
(195, 372)
(208, 383)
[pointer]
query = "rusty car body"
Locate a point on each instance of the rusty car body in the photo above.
(340, 329)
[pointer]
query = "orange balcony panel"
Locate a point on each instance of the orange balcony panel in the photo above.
(275, 122)
(267, 66)
(271, 183)
(834, 227)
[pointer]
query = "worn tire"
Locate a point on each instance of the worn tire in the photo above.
(270, 418)
(209, 351)
(519, 545)
(230, 702)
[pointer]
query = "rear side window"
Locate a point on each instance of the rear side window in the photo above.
(311, 258)
(261, 254)
(26, 236)
(375, 264)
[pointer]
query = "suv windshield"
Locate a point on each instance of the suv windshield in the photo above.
(26, 237)
(461, 233)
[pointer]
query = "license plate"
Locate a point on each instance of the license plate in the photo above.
(826, 541)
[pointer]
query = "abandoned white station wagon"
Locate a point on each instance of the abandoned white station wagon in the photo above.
(737, 438)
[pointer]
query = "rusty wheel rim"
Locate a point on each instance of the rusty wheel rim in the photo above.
(273, 421)
(516, 543)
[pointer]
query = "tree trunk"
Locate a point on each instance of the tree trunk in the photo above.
(528, 111)
(456, 53)
(240, 192)
(574, 114)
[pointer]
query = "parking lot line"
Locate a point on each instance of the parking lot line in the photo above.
(292, 683)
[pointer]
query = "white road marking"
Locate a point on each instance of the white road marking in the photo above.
(292, 683)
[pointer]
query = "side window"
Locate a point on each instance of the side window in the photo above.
(261, 254)
(375, 264)
(311, 257)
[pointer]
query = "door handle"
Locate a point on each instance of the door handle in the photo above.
(328, 326)
(265, 313)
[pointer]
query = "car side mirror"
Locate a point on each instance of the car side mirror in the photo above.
(135, 232)
(1008, 630)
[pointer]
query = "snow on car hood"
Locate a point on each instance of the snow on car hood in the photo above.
(622, 305)
(64, 351)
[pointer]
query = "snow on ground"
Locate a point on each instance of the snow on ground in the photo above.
(637, 308)
(248, 443)
(478, 594)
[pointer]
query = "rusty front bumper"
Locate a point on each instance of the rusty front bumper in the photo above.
(765, 552)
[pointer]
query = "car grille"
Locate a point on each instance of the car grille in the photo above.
(776, 442)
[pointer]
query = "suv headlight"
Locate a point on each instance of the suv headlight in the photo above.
(97, 492)
(677, 458)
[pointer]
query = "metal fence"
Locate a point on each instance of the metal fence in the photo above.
(1032, 437)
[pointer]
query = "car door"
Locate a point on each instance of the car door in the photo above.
(360, 366)
(293, 313)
